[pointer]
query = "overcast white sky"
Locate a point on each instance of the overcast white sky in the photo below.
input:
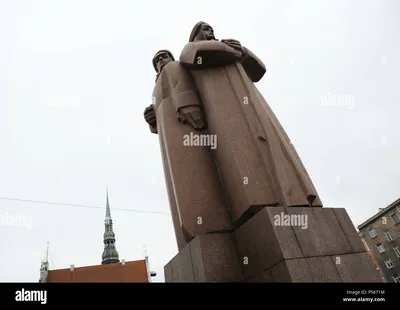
(75, 77)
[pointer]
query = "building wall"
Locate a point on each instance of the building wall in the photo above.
(134, 271)
(378, 268)
(382, 224)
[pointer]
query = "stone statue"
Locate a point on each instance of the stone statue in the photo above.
(257, 164)
(227, 202)
(191, 113)
(197, 201)
(160, 59)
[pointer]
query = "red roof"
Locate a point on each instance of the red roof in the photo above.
(134, 271)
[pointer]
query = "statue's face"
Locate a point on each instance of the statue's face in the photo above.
(161, 61)
(206, 32)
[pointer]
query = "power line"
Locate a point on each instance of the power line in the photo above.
(79, 206)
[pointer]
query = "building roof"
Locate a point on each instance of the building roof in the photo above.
(133, 271)
(379, 214)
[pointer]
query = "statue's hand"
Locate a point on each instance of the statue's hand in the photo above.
(192, 115)
(233, 43)
(150, 116)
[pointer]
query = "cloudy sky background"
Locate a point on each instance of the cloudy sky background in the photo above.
(75, 77)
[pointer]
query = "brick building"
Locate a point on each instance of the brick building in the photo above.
(111, 269)
(133, 271)
(381, 237)
(378, 268)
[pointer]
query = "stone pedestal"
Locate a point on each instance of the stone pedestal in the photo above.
(297, 244)
(207, 258)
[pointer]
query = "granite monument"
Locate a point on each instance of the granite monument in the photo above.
(246, 210)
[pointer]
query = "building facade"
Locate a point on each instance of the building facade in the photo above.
(381, 237)
(371, 256)
(111, 270)
(134, 271)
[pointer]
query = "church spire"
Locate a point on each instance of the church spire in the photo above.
(108, 212)
(44, 268)
(110, 254)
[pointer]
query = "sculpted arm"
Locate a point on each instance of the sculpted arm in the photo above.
(203, 54)
(150, 117)
(253, 65)
(184, 95)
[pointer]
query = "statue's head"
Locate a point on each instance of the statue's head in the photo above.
(201, 32)
(161, 58)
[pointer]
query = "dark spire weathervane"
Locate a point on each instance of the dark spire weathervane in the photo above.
(110, 254)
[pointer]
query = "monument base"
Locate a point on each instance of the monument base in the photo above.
(210, 257)
(296, 244)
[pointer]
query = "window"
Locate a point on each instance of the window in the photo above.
(389, 263)
(396, 278)
(395, 218)
(380, 247)
(396, 250)
(388, 235)
(372, 233)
